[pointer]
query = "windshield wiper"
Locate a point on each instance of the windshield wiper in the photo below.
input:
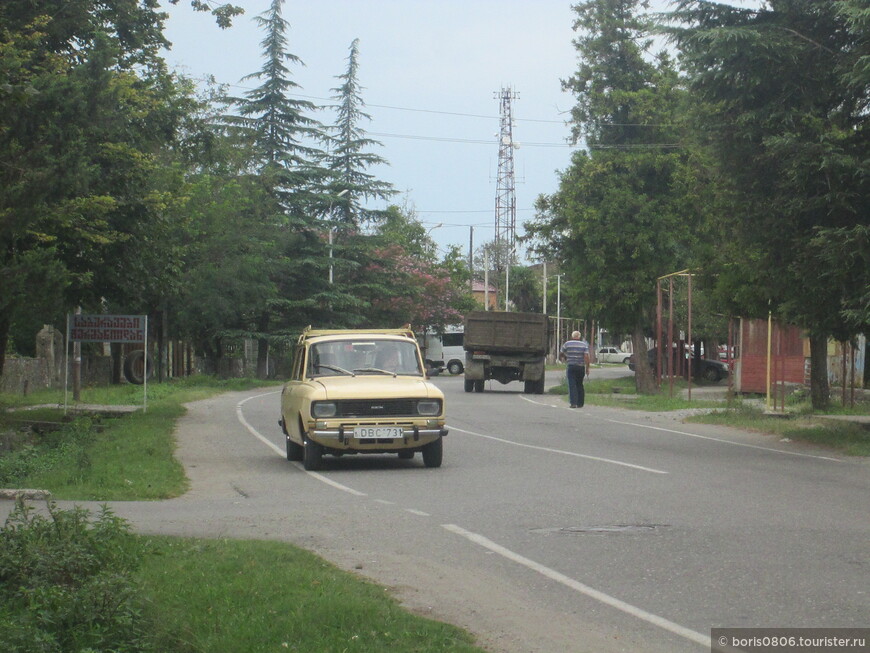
(377, 370)
(340, 370)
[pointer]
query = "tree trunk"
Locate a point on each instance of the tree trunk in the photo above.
(5, 324)
(644, 379)
(820, 391)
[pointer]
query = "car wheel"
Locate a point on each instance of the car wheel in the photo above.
(710, 374)
(294, 451)
(455, 367)
(469, 385)
(406, 455)
(539, 390)
(433, 453)
(478, 385)
(312, 455)
(625, 360)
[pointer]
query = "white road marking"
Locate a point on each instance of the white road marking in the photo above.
(280, 452)
(419, 513)
(723, 441)
(592, 593)
(695, 435)
(560, 451)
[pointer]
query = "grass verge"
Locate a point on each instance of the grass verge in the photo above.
(245, 596)
(799, 424)
(846, 437)
(72, 581)
(100, 456)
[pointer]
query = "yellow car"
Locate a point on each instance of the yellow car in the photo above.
(361, 391)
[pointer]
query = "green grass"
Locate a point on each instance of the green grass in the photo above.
(621, 392)
(247, 596)
(124, 459)
(845, 437)
(801, 424)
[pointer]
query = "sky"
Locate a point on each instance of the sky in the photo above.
(430, 71)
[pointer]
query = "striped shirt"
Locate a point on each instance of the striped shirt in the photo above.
(575, 352)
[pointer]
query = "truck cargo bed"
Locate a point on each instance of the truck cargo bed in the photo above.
(501, 331)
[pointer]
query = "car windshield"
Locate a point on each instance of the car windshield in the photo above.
(363, 356)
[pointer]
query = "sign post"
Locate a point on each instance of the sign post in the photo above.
(110, 328)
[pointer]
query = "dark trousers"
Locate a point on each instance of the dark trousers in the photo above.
(576, 393)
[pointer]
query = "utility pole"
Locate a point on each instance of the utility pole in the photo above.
(505, 197)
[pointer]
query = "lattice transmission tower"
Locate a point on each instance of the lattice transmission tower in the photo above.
(505, 198)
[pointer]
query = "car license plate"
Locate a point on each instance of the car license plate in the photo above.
(377, 432)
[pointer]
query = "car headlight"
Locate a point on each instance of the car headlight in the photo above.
(428, 407)
(323, 409)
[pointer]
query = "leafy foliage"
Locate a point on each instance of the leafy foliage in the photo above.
(66, 583)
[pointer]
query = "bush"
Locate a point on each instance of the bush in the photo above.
(66, 583)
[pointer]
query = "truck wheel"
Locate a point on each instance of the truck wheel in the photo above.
(478, 385)
(134, 367)
(530, 387)
(539, 389)
(455, 367)
(433, 453)
(469, 385)
(312, 456)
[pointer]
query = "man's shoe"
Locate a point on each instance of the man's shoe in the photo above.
(573, 405)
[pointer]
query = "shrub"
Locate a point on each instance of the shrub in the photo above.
(66, 583)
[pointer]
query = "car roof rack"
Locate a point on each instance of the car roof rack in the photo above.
(308, 332)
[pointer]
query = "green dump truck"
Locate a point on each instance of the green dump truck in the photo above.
(505, 347)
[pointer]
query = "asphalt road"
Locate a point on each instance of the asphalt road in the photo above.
(551, 529)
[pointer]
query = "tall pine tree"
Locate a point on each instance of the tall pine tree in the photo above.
(349, 158)
(283, 138)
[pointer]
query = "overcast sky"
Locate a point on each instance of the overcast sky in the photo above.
(429, 71)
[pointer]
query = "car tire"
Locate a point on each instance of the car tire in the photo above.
(294, 451)
(625, 360)
(478, 385)
(455, 367)
(710, 374)
(433, 453)
(312, 456)
(469, 385)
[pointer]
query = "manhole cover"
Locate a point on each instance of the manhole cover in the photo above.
(605, 529)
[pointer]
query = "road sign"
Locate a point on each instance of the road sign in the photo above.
(108, 328)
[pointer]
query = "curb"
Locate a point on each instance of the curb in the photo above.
(24, 494)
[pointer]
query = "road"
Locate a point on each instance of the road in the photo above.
(551, 529)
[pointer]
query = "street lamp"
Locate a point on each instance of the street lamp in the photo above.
(331, 231)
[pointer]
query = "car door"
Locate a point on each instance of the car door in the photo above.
(291, 395)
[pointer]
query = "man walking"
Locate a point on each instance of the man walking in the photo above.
(576, 353)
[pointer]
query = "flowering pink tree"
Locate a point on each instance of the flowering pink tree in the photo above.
(415, 291)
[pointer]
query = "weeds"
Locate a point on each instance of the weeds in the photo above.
(44, 452)
(67, 584)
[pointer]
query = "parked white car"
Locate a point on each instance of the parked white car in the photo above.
(612, 355)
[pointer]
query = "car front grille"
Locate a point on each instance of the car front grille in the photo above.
(376, 408)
